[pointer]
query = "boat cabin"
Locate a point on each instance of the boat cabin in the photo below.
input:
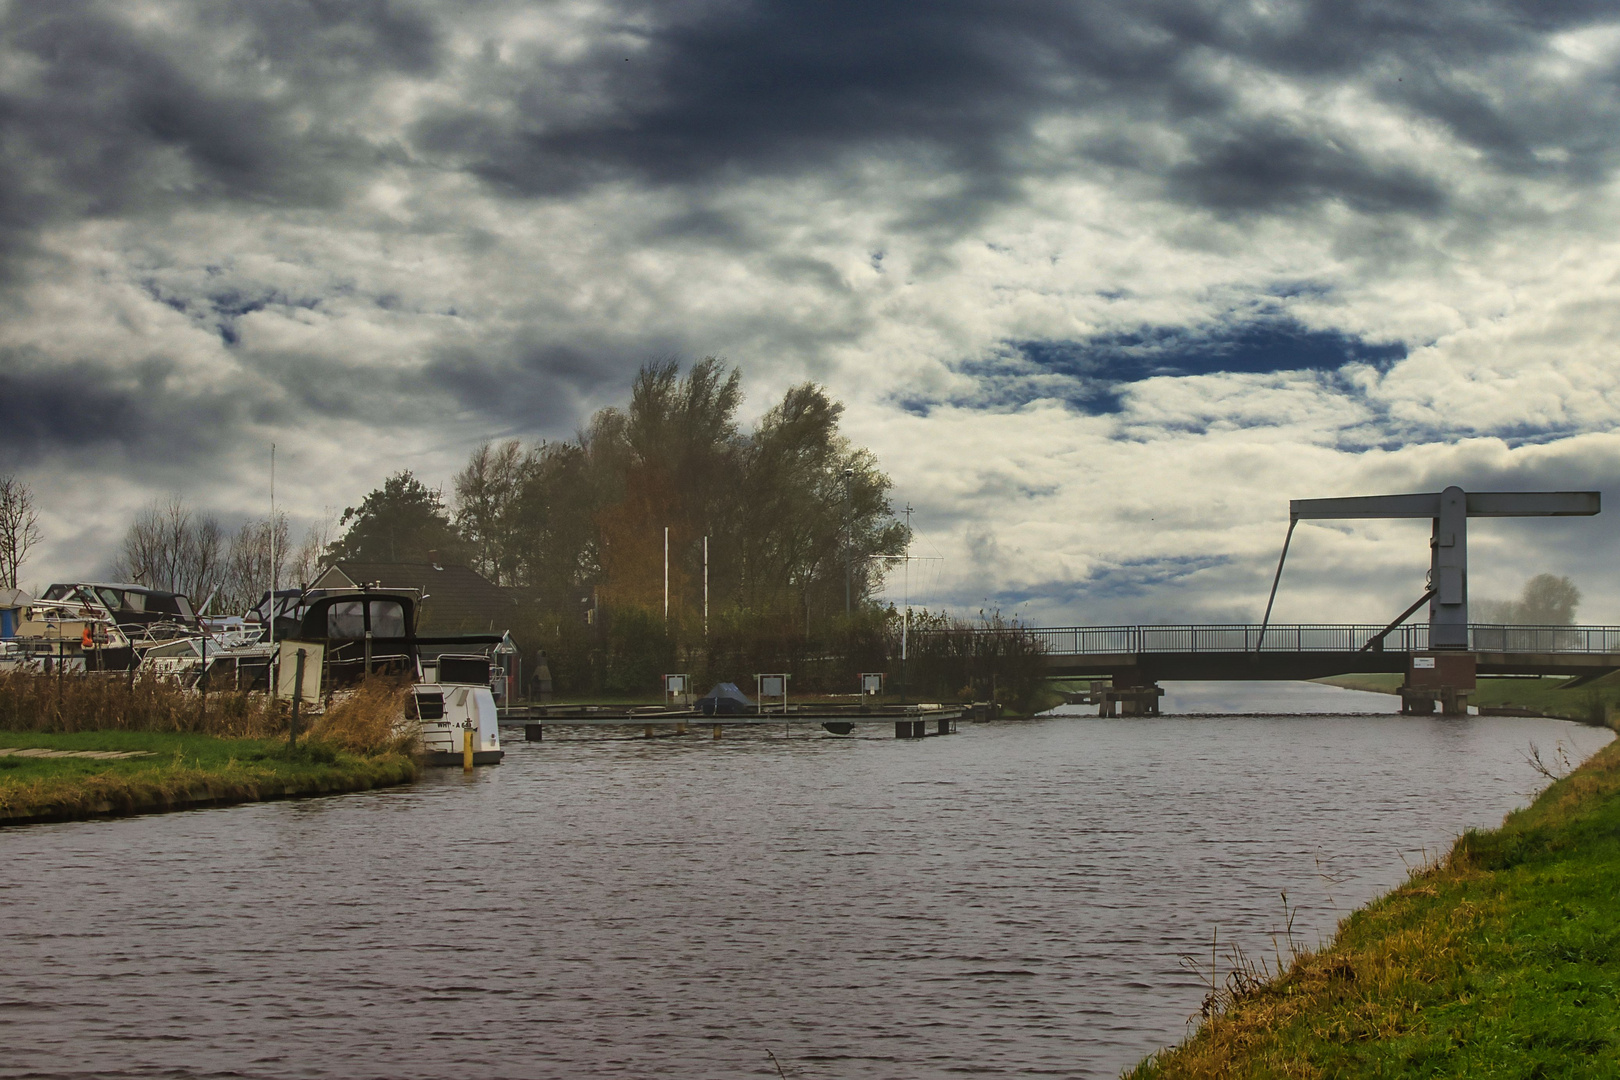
(138, 611)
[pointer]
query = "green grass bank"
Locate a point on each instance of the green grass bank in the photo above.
(176, 771)
(1594, 703)
(234, 750)
(1502, 960)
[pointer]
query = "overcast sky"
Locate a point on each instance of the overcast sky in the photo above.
(1103, 285)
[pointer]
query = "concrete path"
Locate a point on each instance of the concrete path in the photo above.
(39, 751)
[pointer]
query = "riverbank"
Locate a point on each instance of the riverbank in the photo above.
(173, 771)
(1502, 960)
(1594, 703)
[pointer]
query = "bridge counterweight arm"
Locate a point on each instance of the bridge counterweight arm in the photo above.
(1427, 505)
(1450, 510)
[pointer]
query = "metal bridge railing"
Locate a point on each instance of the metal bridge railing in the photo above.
(1316, 637)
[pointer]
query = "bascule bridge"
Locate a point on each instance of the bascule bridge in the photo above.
(1439, 659)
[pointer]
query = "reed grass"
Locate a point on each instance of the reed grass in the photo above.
(1501, 959)
(368, 720)
(117, 701)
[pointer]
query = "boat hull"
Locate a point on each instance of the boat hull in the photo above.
(446, 758)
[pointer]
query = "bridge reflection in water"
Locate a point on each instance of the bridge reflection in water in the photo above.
(1137, 658)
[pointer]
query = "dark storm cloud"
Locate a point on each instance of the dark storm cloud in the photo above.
(79, 407)
(532, 388)
(251, 101)
(244, 104)
(690, 93)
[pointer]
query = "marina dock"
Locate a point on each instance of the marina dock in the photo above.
(910, 721)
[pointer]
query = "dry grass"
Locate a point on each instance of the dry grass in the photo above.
(113, 701)
(368, 720)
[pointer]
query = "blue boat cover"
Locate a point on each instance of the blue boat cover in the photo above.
(724, 700)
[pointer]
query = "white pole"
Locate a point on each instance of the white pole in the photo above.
(666, 576)
(905, 588)
(272, 612)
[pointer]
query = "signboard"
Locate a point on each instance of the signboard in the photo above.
(772, 685)
(871, 683)
(287, 671)
(1423, 662)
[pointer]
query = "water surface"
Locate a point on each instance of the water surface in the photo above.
(1014, 900)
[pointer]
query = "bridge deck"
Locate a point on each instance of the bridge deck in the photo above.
(1144, 654)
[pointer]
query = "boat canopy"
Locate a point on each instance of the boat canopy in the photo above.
(724, 700)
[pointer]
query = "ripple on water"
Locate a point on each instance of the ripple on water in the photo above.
(1014, 900)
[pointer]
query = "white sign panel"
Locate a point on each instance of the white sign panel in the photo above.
(287, 671)
(1423, 661)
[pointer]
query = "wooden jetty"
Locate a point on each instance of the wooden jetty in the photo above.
(910, 721)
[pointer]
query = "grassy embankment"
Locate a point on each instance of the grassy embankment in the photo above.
(1593, 703)
(238, 752)
(1501, 960)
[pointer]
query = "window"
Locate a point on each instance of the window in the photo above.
(112, 598)
(346, 620)
(387, 619)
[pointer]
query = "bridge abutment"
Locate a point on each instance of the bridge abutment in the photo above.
(1446, 679)
(1131, 700)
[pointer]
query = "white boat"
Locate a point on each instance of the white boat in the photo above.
(453, 698)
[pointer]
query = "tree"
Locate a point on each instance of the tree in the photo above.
(402, 521)
(247, 570)
(19, 529)
(788, 509)
(488, 495)
(1547, 600)
(309, 559)
(169, 547)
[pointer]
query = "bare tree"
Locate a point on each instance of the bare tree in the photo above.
(310, 558)
(169, 547)
(246, 572)
(19, 529)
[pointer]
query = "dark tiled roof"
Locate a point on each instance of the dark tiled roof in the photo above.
(458, 600)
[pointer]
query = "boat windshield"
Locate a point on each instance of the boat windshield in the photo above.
(346, 620)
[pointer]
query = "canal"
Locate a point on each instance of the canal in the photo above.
(1015, 900)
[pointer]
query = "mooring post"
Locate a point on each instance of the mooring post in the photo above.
(717, 731)
(467, 746)
(298, 696)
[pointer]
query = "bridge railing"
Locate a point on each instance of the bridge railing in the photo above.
(1315, 637)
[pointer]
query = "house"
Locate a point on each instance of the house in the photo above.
(454, 598)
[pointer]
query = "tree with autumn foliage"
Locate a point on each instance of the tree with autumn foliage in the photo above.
(789, 509)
